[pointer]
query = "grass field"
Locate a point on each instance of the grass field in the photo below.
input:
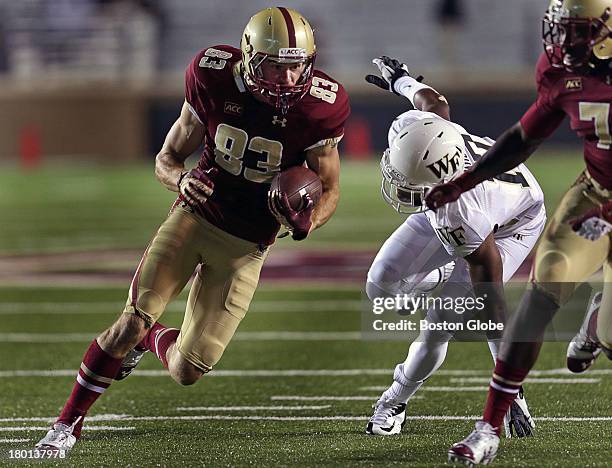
(295, 386)
(84, 207)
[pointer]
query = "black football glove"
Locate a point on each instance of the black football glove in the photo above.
(196, 187)
(518, 421)
(390, 70)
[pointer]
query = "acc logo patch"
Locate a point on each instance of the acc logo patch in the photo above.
(232, 108)
(292, 53)
(573, 84)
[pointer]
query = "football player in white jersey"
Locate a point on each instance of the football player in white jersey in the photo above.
(488, 232)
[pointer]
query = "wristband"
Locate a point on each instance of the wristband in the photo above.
(180, 179)
(407, 86)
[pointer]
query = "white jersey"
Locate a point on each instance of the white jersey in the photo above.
(510, 204)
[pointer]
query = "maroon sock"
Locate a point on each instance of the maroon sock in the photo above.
(503, 389)
(159, 339)
(95, 375)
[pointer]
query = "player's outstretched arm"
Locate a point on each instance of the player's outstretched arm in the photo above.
(325, 161)
(486, 273)
(511, 148)
(181, 141)
(395, 77)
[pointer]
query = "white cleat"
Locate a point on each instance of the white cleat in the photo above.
(584, 349)
(518, 421)
(388, 418)
(480, 447)
(58, 439)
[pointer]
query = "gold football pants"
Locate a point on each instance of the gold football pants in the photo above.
(226, 278)
(564, 260)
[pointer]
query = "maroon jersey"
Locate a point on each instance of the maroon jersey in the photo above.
(586, 100)
(250, 141)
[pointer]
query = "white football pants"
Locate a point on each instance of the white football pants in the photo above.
(403, 261)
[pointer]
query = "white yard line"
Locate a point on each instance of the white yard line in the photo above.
(534, 380)
(46, 428)
(240, 336)
(50, 419)
(11, 441)
(252, 408)
(287, 373)
(533, 373)
(328, 397)
(127, 418)
(109, 307)
(297, 418)
(431, 388)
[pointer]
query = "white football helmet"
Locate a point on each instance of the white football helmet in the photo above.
(423, 154)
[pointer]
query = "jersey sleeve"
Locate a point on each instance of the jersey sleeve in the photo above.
(543, 117)
(330, 126)
(195, 88)
(464, 226)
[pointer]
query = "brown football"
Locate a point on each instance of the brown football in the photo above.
(296, 182)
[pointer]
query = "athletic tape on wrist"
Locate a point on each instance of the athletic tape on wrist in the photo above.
(407, 86)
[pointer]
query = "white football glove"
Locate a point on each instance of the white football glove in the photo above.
(595, 223)
(594, 228)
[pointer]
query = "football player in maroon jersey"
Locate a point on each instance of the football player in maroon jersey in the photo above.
(257, 110)
(574, 78)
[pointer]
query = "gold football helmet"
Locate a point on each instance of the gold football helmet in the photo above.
(576, 31)
(282, 35)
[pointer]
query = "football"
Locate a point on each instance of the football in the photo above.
(296, 182)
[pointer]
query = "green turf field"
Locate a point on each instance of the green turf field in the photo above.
(280, 413)
(84, 207)
(296, 385)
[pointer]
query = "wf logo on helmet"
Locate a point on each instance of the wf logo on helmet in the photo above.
(445, 166)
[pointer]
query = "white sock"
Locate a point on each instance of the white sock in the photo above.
(424, 358)
(494, 345)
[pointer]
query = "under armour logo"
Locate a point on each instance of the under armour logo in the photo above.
(282, 122)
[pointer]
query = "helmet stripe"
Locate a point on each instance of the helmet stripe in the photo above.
(290, 27)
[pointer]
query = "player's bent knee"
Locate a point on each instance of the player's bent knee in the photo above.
(184, 373)
(552, 274)
(383, 272)
(181, 370)
(552, 266)
(374, 291)
(381, 278)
